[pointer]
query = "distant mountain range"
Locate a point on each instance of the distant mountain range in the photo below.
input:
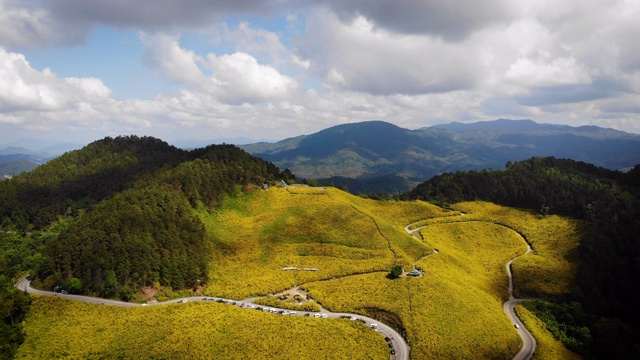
(16, 159)
(376, 156)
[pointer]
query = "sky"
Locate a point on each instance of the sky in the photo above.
(78, 71)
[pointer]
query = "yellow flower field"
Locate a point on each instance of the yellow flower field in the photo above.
(59, 328)
(339, 248)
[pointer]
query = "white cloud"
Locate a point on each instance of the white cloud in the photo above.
(177, 64)
(451, 19)
(239, 78)
(24, 88)
(318, 63)
(305, 64)
(233, 78)
(559, 71)
(378, 61)
(256, 41)
(22, 27)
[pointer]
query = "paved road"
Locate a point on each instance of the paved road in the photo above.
(397, 342)
(528, 341)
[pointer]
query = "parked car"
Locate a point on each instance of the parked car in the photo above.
(64, 292)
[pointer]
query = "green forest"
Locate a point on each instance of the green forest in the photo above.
(605, 301)
(114, 216)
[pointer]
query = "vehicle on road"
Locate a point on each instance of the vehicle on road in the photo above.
(517, 326)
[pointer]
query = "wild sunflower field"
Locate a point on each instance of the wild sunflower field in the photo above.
(340, 248)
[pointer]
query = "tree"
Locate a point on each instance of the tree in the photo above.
(396, 272)
(74, 286)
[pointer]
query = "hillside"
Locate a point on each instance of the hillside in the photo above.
(608, 201)
(376, 156)
(134, 199)
(350, 243)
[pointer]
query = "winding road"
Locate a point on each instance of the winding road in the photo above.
(528, 341)
(396, 342)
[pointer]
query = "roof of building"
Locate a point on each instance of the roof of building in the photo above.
(414, 273)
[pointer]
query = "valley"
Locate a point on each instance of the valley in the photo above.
(353, 242)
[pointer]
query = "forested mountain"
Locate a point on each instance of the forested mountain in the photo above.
(609, 250)
(116, 215)
(376, 156)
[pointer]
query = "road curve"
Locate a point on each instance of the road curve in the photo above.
(395, 339)
(528, 341)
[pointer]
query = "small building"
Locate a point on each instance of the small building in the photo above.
(414, 272)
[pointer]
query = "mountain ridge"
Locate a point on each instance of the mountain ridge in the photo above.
(367, 151)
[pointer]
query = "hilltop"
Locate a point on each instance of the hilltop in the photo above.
(377, 156)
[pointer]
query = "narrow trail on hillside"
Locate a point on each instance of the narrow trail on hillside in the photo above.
(395, 255)
(528, 341)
